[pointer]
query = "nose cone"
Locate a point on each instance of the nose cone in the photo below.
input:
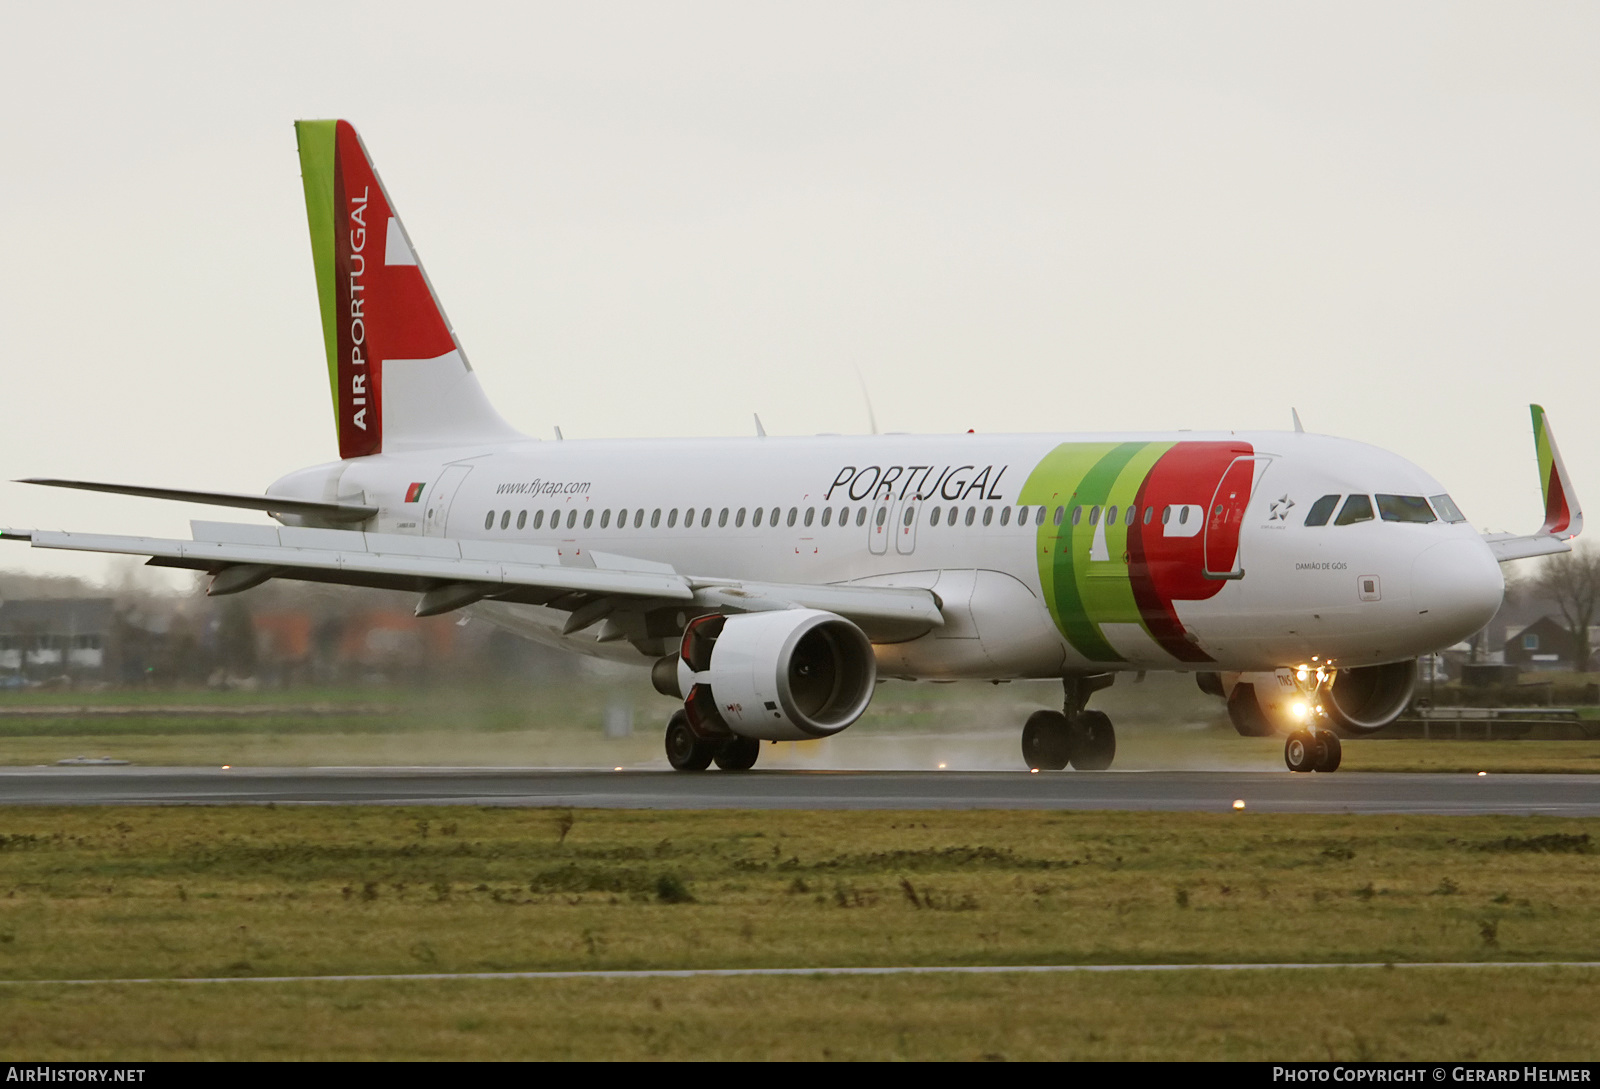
(1457, 588)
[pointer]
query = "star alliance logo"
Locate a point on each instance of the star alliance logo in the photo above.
(1280, 509)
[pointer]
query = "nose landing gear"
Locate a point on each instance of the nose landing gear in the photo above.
(1085, 739)
(1313, 747)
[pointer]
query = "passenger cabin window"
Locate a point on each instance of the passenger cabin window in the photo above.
(1405, 508)
(538, 519)
(705, 518)
(861, 516)
(1358, 508)
(1005, 516)
(738, 519)
(810, 514)
(605, 518)
(522, 519)
(655, 518)
(1446, 508)
(1322, 510)
(950, 519)
(488, 520)
(588, 518)
(672, 518)
(638, 518)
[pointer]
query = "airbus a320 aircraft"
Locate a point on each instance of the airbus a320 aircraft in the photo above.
(769, 582)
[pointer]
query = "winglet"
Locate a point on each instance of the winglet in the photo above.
(1563, 517)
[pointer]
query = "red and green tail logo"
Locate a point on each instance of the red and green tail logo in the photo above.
(376, 302)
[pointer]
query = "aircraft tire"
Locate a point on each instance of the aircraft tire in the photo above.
(739, 754)
(1046, 741)
(1097, 741)
(685, 751)
(1332, 751)
(1302, 751)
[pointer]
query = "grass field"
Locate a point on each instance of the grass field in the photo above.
(187, 892)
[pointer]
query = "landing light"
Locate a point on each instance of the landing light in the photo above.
(1300, 709)
(1238, 803)
(1302, 673)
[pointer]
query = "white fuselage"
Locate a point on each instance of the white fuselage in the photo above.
(878, 510)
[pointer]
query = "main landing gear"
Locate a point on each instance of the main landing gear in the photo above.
(687, 751)
(1085, 739)
(1307, 750)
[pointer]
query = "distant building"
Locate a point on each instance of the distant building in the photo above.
(55, 637)
(1542, 645)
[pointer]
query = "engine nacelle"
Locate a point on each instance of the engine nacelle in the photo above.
(1369, 698)
(787, 675)
(1356, 701)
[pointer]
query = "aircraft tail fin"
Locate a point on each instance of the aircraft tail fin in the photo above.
(1563, 517)
(398, 375)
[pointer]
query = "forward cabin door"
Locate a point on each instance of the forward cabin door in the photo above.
(444, 494)
(1225, 517)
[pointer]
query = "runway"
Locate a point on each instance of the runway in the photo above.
(1269, 792)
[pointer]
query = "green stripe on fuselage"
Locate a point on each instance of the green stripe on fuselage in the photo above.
(1083, 592)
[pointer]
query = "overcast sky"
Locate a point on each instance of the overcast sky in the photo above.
(656, 219)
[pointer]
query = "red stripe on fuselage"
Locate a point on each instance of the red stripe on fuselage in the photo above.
(1163, 569)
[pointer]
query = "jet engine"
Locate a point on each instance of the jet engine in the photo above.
(1370, 697)
(787, 675)
(1356, 701)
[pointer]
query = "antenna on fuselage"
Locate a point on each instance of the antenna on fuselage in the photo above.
(872, 418)
(761, 432)
(1298, 430)
(559, 436)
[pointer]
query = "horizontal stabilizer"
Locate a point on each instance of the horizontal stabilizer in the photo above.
(272, 504)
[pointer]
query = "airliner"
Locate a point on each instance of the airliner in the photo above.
(769, 583)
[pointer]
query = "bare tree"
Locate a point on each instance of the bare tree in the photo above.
(1572, 581)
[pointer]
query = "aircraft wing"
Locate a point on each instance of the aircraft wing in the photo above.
(450, 573)
(1563, 517)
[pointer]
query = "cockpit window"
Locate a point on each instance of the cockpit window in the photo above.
(1446, 508)
(1322, 510)
(1358, 508)
(1405, 508)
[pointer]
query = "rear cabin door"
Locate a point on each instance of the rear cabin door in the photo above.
(444, 494)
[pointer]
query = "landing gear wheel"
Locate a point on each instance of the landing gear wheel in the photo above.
(1046, 741)
(739, 754)
(685, 751)
(1097, 741)
(1332, 751)
(1303, 751)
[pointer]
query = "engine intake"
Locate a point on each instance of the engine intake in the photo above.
(1369, 698)
(787, 675)
(1356, 701)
